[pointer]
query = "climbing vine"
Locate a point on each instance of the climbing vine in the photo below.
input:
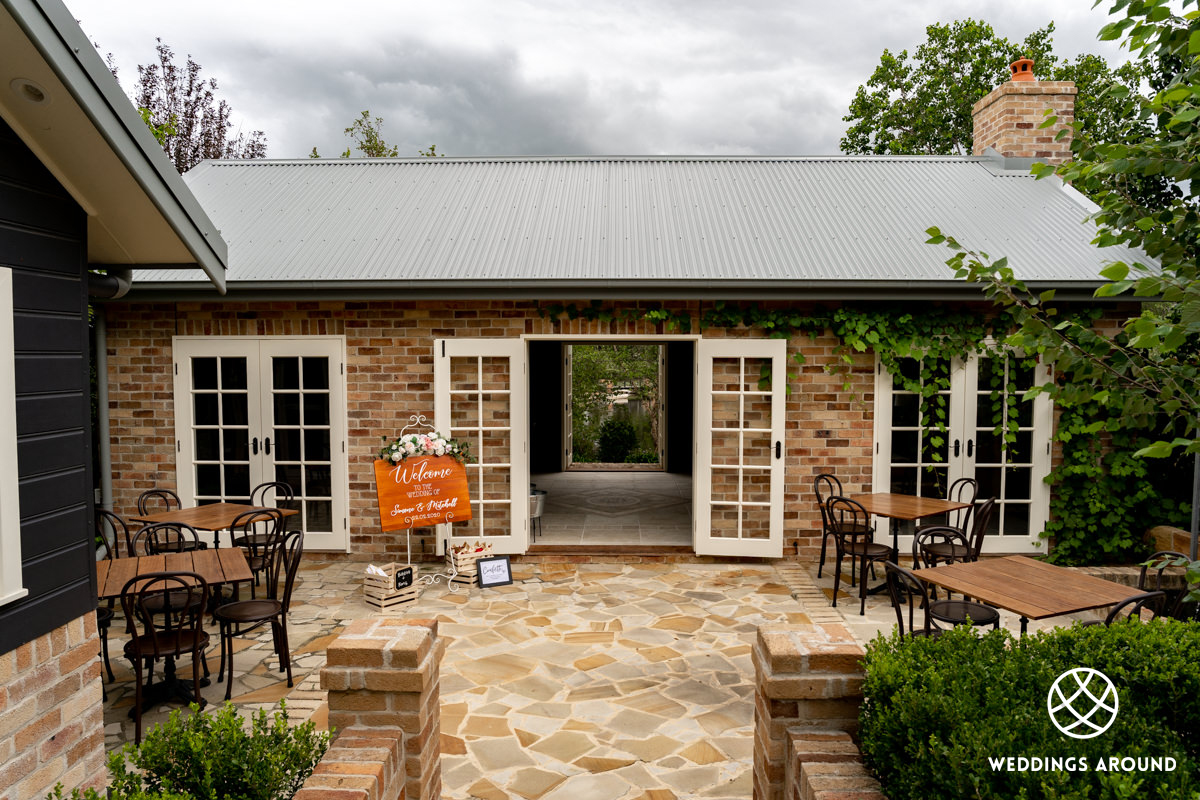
(1103, 495)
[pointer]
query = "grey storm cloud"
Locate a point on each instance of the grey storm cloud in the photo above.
(476, 77)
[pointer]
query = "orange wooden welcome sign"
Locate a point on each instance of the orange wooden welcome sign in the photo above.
(421, 491)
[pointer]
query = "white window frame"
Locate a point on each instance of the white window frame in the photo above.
(11, 586)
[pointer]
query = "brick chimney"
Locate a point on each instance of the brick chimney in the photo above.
(1007, 118)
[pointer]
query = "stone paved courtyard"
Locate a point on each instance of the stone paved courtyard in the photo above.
(590, 681)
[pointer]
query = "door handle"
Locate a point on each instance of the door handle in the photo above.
(779, 449)
(254, 445)
(267, 445)
(970, 447)
(956, 447)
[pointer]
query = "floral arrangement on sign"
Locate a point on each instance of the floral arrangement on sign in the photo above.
(425, 444)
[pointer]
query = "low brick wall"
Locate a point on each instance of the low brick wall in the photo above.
(382, 676)
(52, 713)
(808, 678)
(826, 765)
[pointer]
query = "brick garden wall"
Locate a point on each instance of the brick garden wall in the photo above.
(390, 375)
(51, 713)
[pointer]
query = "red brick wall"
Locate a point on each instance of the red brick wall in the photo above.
(51, 714)
(390, 375)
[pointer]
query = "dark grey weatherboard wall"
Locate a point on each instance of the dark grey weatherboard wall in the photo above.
(43, 240)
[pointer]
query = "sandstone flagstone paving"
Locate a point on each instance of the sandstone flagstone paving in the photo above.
(598, 680)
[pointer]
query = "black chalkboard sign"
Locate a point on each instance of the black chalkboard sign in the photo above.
(404, 578)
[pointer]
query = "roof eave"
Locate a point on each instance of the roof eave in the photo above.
(53, 32)
(657, 291)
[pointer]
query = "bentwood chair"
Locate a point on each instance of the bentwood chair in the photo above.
(242, 616)
(111, 529)
(256, 532)
(908, 592)
(165, 613)
(1151, 578)
(942, 544)
(166, 537)
(963, 490)
(153, 501)
(274, 493)
(849, 520)
(825, 486)
(1132, 607)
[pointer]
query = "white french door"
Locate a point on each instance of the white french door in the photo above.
(251, 410)
(914, 456)
(480, 398)
(568, 415)
(739, 470)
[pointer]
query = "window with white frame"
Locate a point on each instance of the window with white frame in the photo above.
(11, 587)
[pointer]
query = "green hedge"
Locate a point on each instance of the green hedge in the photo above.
(935, 712)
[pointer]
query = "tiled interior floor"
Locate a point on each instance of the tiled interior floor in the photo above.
(611, 508)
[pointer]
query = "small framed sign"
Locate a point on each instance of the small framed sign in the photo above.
(404, 578)
(494, 571)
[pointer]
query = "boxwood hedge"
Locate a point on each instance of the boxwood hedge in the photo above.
(941, 717)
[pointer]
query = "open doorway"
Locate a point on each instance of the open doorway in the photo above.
(611, 442)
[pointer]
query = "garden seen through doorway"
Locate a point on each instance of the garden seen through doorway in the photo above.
(615, 404)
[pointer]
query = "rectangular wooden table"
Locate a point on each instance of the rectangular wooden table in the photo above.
(216, 566)
(214, 517)
(1027, 587)
(897, 507)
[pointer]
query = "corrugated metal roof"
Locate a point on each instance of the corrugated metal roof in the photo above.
(630, 220)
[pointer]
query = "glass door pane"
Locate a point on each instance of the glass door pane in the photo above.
(300, 414)
(1003, 438)
(220, 430)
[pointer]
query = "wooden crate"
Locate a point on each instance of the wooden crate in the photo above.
(468, 571)
(380, 590)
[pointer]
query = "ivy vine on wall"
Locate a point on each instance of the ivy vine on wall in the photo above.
(1103, 496)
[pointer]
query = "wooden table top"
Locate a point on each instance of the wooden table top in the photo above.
(212, 517)
(1033, 589)
(216, 566)
(905, 506)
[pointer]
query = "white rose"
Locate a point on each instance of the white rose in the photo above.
(395, 456)
(440, 450)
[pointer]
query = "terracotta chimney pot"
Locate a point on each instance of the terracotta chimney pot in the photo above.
(1022, 70)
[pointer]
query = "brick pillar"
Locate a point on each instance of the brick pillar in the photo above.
(809, 677)
(382, 678)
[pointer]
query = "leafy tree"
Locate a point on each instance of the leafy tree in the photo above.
(1147, 374)
(367, 134)
(431, 152)
(182, 111)
(597, 372)
(922, 105)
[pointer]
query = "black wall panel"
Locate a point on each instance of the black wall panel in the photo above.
(43, 240)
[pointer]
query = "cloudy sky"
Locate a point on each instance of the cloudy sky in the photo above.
(516, 77)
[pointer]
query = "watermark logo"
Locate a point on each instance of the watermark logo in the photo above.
(1082, 703)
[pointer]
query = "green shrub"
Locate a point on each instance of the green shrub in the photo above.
(936, 710)
(642, 457)
(617, 439)
(215, 757)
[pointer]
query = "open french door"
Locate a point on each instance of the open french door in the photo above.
(251, 410)
(739, 470)
(480, 398)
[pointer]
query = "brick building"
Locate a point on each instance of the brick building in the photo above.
(364, 291)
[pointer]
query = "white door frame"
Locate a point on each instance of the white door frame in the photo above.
(515, 349)
(963, 428)
(702, 468)
(258, 388)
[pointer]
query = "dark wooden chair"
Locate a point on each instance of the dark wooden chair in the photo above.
(825, 486)
(166, 537)
(152, 501)
(963, 490)
(256, 532)
(111, 529)
(1151, 579)
(937, 544)
(274, 493)
(1132, 607)
(852, 534)
(908, 592)
(243, 616)
(165, 613)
